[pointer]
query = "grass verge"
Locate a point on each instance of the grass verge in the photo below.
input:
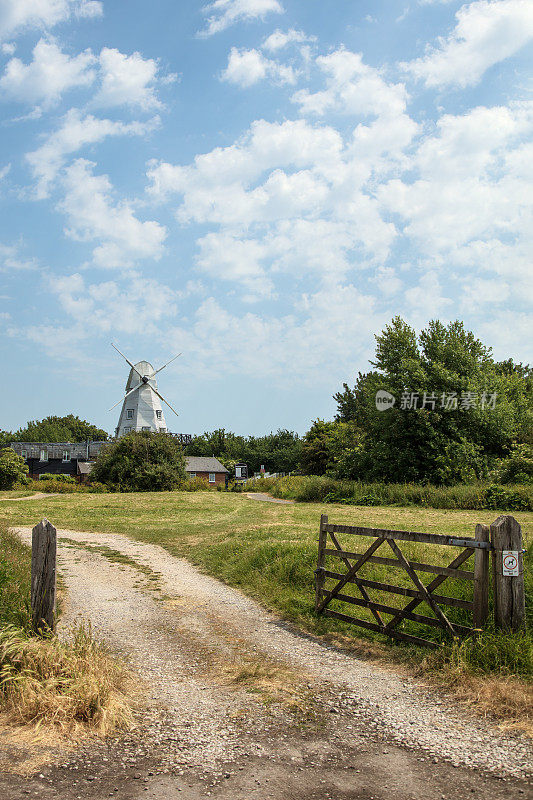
(71, 683)
(479, 496)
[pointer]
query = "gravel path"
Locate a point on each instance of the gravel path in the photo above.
(182, 631)
(266, 498)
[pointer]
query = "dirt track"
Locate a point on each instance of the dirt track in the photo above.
(309, 722)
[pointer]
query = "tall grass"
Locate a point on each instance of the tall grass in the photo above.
(69, 682)
(314, 488)
(66, 683)
(15, 577)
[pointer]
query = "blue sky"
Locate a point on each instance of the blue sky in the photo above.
(260, 184)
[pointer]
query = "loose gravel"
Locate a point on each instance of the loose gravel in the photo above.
(177, 625)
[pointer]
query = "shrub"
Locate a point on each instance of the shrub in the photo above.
(50, 476)
(195, 485)
(13, 469)
(322, 489)
(142, 461)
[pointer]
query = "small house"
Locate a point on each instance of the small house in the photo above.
(56, 458)
(207, 467)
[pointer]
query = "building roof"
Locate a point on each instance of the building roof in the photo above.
(203, 464)
(85, 467)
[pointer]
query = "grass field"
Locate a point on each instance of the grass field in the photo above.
(269, 551)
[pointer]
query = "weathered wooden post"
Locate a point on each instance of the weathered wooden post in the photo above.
(319, 572)
(43, 576)
(481, 577)
(508, 570)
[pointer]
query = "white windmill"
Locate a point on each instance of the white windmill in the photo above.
(141, 406)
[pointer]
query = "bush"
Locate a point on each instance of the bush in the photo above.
(13, 469)
(142, 461)
(321, 489)
(50, 476)
(195, 485)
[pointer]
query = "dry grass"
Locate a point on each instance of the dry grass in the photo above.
(72, 685)
(274, 683)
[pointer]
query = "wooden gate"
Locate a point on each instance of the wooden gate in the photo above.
(416, 592)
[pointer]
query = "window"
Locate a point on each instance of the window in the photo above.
(129, 413)
(66, 455)
(146, 428)
(43, 456)
(159, 414)
(24, 454)
(162, 430)
(127, 429)
(192, 474)
(212, 477)
(238, 472)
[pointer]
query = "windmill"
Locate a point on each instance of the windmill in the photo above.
(141, 405)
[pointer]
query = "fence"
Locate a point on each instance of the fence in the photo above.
(503, 539)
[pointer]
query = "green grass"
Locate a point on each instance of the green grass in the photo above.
(480, 496)
(267, 550)
(15, 572)
(11, 493)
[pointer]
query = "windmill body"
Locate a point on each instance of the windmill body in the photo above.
(142, 409)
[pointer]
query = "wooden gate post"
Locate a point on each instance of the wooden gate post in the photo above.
(43, 576)
(481, 578)
(508, 569)
(319, 572)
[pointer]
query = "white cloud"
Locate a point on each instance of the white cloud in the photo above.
(486, 33)
(93, 216)
(127, 80)
(50, 73)
(465, 197)
(328, 330)
(11, 259)
(352, 88)
(77, 130)
(125, 306)
(280, 39)
(19, 15)
(8, 48)
(223, 13)
(247, 67)
(286, 198)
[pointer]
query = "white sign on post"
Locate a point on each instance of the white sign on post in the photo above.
(510, 563)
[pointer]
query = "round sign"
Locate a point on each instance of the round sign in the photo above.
(510, 561)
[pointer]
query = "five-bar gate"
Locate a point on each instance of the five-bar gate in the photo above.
(416, 592)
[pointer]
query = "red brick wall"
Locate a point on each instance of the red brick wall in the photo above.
(220, 477)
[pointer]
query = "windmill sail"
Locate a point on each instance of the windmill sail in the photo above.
(141, 406)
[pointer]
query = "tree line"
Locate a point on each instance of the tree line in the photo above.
(436, 408)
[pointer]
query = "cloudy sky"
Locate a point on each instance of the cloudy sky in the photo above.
(260, 184)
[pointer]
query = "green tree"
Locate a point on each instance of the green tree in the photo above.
(13, 469)
(419, 439)
(142, 461)
(59, 429)
(317, 446)
(279, 451)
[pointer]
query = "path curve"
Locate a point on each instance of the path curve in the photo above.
(197, 621)
(266, 498)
